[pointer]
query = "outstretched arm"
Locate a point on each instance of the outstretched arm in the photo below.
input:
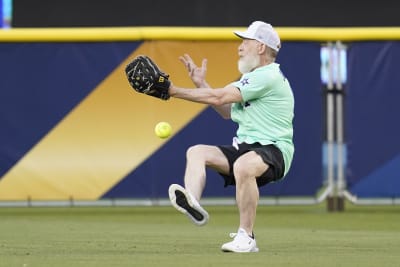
(220, 98)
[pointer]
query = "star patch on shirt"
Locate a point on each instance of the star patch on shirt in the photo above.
(245, 81)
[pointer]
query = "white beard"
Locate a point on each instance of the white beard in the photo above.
(248, 63)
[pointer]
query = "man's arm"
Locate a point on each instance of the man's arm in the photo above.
(220, 99)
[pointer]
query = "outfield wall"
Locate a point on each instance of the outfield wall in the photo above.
(71, 127)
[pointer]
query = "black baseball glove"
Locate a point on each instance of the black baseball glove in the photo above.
(146, 78)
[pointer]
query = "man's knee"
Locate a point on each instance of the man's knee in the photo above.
(249, 166)
(242, 171)
(195, 151)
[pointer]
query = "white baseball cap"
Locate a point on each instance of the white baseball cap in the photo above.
(262, 32)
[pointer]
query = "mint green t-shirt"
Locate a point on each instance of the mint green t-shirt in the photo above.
(266, 113)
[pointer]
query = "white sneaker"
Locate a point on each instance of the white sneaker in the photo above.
(184, 202)
(242, 242)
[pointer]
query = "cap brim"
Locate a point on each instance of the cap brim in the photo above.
(242, 35)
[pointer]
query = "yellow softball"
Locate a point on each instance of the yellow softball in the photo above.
(163, 129)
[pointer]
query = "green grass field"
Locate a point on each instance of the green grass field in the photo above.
(160, 236)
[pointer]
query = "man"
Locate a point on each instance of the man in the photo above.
(262, 104)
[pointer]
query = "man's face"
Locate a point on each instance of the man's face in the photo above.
(249, 58)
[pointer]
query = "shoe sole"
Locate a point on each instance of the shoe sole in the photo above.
(233, 251)
(181, 201)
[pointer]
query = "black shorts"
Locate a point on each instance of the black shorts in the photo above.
(270, 154)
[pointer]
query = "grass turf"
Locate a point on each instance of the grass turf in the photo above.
(160, 236)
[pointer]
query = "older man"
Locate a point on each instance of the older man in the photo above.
(262, 105)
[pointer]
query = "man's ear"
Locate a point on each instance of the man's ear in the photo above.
(261, 48)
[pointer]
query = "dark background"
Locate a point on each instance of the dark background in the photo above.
(75, 13)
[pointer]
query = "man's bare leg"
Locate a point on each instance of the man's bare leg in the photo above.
(197, 159)
(246, 169)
